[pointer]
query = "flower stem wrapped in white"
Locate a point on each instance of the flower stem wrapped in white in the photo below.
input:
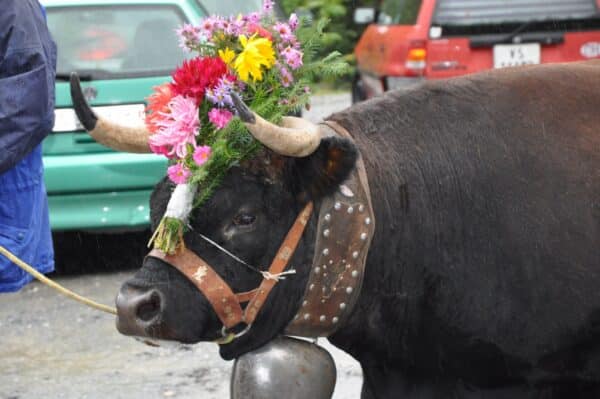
(168, 236)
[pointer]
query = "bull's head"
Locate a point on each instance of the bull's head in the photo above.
(248, 216)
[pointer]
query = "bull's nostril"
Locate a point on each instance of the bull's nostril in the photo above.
(149, 309)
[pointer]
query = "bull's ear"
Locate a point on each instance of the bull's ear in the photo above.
(320, 173)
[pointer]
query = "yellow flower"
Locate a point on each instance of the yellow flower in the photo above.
(227, 55)
(257, 52)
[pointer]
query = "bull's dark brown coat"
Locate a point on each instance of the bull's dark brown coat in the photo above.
(490, 186)
(483, 280)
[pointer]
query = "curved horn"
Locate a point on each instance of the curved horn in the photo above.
(120, 138)
(296, 137)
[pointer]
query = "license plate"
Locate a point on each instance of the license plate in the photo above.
(131, 115)
(510, 55)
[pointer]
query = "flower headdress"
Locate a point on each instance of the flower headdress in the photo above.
(192, 118)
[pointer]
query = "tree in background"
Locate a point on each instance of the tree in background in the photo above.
(341, 33)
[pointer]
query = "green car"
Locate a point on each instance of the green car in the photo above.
(121, 49)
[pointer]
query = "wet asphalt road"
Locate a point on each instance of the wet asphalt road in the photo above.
(52, 347)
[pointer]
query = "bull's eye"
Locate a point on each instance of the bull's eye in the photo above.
(244, 219)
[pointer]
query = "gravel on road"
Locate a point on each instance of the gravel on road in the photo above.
(52, 347)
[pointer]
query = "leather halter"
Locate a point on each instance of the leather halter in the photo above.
(227, 304)
(345, 228)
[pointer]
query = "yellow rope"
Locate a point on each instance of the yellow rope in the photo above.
(54, 285)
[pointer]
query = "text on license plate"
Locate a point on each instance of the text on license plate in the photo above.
(131, 115)
(510, 55)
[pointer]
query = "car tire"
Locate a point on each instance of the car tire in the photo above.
(358, 91)
(79, 252)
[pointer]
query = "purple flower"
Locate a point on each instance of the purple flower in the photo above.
(221, 94)
(178, 173)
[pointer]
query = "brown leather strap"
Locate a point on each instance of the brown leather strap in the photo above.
(284, 254)
(344, 232)
(244, 297)
(225, 303)
(217, 291)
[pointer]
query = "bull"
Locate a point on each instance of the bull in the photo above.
(483, 276)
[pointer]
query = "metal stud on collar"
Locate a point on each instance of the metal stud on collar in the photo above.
(331, 266)
(344, 231)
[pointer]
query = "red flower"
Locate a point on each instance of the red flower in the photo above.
(196, 75)
(157, 102)
(255, 28)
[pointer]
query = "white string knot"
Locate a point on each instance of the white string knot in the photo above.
(277, 276)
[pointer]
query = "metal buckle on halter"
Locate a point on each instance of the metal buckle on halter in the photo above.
(228, 337)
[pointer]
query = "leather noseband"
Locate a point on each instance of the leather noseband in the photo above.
(226, 303)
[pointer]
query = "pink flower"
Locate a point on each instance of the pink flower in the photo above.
(178, 173)
(189, 37)
(267, 7)
(236, 26)
(229, 27)
(160, 150)
(201, 154)
(176, 128)
(293, 22)
(207, 27)
(219, 117)
(218, 22)
(184, 114)
(286, 77)
(293, 57)
(252, 18)
(284, 31)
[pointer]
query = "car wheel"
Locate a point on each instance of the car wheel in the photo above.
(358, 91)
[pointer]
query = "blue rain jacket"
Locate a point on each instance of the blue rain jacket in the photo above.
(27, 71)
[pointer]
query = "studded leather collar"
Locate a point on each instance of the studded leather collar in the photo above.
(344, 232)
(345, 228)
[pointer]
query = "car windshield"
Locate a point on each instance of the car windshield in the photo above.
(228, 7)
(471, 12)
(104, 42)
(401, 12)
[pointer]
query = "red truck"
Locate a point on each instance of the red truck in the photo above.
(412, 40)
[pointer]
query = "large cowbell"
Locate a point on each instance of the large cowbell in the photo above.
(284, 368)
